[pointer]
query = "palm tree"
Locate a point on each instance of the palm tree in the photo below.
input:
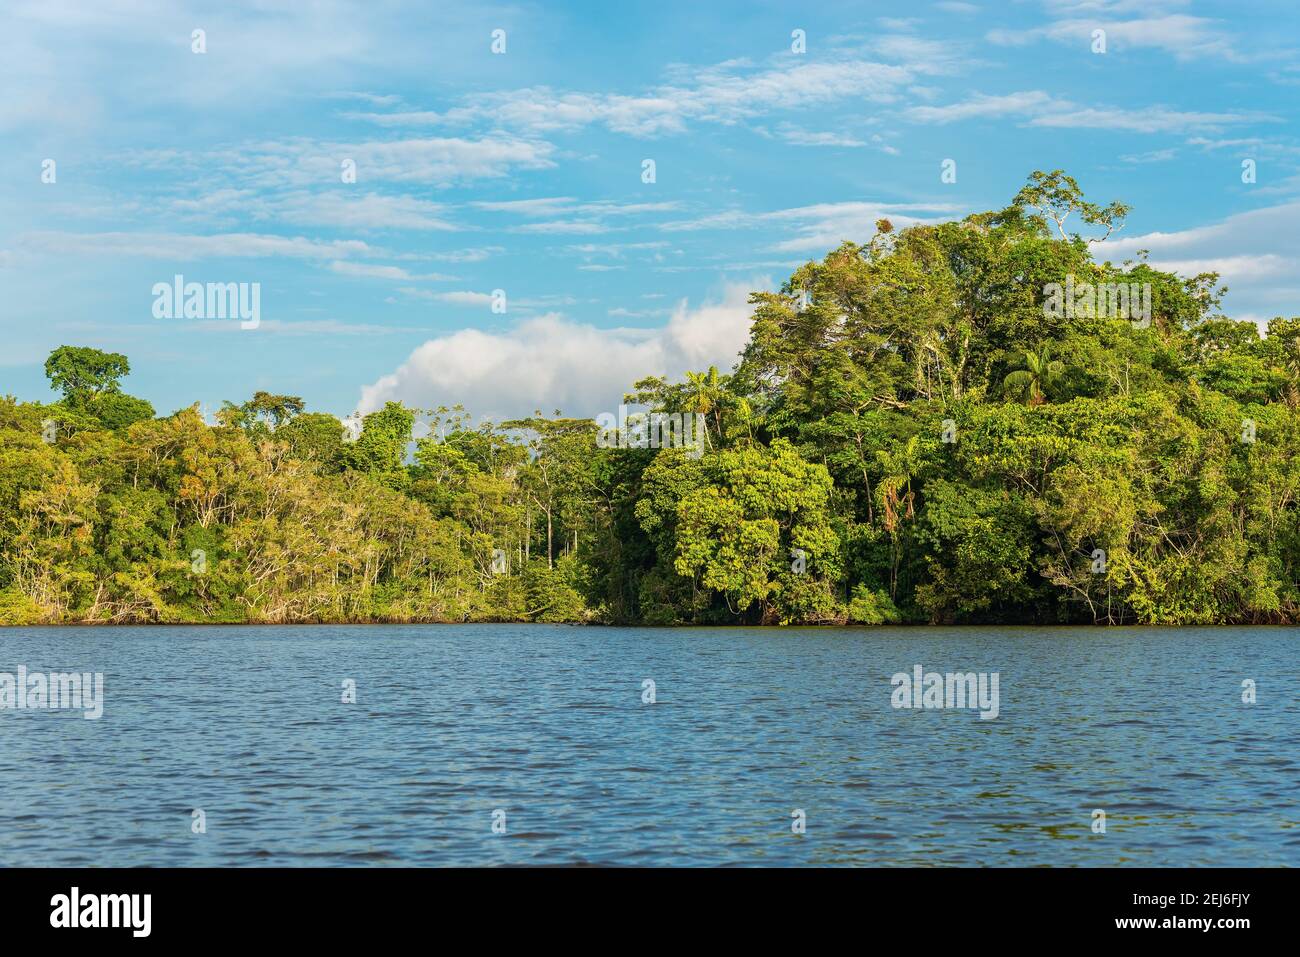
(1040, 373)
(708, 394)
(897, 500)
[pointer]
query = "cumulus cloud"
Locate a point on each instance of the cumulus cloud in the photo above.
(551, 362)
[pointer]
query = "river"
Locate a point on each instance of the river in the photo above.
(534, 744)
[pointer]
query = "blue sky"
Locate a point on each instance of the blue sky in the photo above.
(522, 171)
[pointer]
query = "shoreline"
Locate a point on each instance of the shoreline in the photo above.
(912, 626)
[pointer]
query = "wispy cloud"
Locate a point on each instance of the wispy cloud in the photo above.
(1257, 254)
(458, 298)
(367, 211)
(1184, 37)
(1038, 108)
(179, 246)
(821, 226)
(726, 93)
(1151, 156)
(577, 218)
(376, 271)
(799, 137)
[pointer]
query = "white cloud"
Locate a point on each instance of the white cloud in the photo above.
(179, 246)
(1186, 37)
(936, 57)
(461, 297)
(364, 211)
(1234, 268)
(823, 226)
(74, 61)
(1038, 108)
(306, 163)
(567, 205)
(473, 255)
(303, 163)
(215, 203)
(375, 99)
(1151, 156)
(1256, 253)
(438, 161)
(300, 327)
(1011, 104)
(820, 227)
(724, 93)
(551, 362)
(1150, 119)
(563, 227)
(615, 250)
(797, 137)
(585, 218)
(539, 206)
(375, 271)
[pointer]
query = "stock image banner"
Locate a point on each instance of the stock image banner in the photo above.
(529, 460)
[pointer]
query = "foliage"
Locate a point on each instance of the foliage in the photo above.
(909, 435)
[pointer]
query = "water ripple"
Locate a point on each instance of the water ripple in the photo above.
(452, 724)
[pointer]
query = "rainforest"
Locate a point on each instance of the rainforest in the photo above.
(911, 434)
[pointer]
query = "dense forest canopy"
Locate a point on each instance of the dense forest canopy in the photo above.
(948, 423)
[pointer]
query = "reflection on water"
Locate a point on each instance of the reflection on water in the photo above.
(548, 724)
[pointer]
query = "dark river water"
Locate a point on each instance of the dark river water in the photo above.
(543, 731)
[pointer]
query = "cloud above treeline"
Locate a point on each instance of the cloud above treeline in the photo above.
(551, 362)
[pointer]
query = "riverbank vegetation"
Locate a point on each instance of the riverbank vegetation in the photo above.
(915, 431)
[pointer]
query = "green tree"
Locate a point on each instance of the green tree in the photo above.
(380, 450)
(92, 396)
(863, 465)
(82, 373)
(1040, 374)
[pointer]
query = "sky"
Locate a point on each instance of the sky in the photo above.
(776, 131)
